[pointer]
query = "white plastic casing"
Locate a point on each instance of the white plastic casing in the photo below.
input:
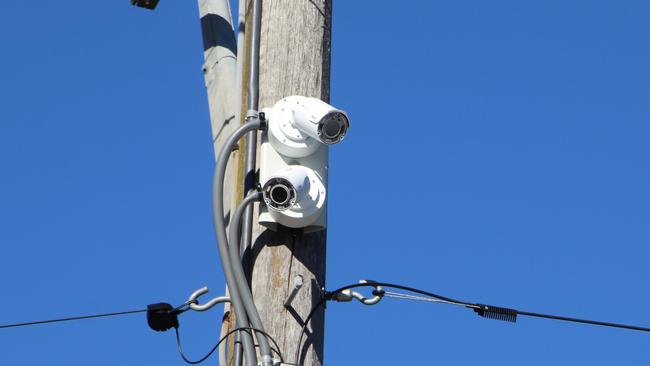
(295, 125)
(296, 177)
(294, 153)
(308, 196)
(311, 211)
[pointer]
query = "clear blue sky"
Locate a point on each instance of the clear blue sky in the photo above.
(498, 153)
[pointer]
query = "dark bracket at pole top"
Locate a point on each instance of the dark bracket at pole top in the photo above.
(147, 4)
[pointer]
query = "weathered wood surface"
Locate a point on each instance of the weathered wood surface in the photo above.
(294, 60)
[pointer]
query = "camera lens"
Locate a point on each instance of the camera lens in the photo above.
(332, 127)
(279, 194)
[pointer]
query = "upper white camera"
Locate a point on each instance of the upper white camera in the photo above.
(297, 125)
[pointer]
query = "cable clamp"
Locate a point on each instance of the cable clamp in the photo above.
(348, 294)
(268, 361)
(252, 115)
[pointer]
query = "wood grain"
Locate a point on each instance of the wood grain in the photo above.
(294, 60)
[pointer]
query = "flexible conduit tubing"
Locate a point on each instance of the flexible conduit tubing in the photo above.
(238, 270)
(222, 240)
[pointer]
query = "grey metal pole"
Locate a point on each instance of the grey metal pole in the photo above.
(223, 79)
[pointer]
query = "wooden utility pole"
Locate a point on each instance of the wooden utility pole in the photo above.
(294, 60)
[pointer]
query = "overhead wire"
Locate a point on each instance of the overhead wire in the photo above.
(397, 295)
(329, 294)
(103, 315)
(498, 313)
(487, 311)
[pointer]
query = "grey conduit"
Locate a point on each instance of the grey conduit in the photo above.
(238, 270)
(241, 283)
(240, 276)
(222, 240)
(249, 177)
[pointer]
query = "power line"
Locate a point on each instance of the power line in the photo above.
(397, 295)
(486, 311)
(584, 321)
(72, 318)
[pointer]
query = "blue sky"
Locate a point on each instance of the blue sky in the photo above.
(498, 153)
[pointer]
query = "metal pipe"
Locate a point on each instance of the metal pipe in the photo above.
(239, 73)
(250, 161)
(254, 56)
(237, 350)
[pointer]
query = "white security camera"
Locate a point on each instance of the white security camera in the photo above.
(298, 125)
(293, 162)
(295, 196)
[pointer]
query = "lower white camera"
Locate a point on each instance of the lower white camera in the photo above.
(295, 196)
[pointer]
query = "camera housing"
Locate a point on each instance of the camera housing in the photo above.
(304, 180)
(294, 162)
(298, 125)
(294, 196)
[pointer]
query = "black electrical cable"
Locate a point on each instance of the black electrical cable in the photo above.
(72, 318)
(482, 310)
(216, 346)
(274, 349)
(584, 321)
(356, 285)
(304, 327)
(480, 307)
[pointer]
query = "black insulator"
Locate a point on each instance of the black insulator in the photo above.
(161, 317)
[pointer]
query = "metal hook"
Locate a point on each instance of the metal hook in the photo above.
(194, 302)
(378, 294)
(348, 295)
